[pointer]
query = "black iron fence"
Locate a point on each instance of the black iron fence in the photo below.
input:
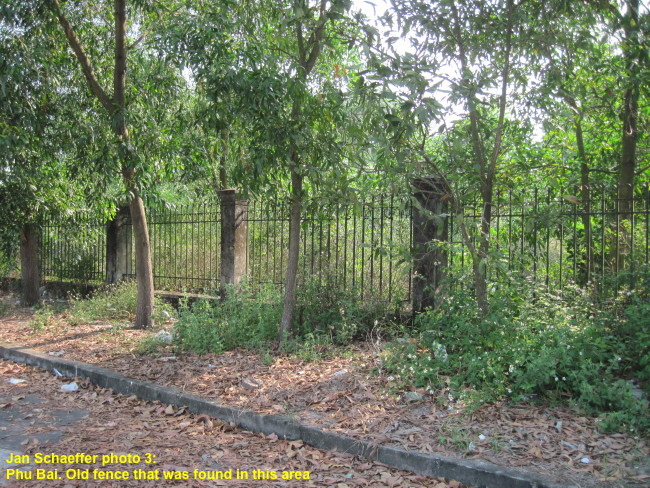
(547, 236)
(361, 248)
(552, 237)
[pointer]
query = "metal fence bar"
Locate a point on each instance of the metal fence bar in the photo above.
(355, 246)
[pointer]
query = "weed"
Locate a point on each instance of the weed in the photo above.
(243, 319)
(267, 358)
(115, 302)
(534, 344)
(150, 346)
(41, 319)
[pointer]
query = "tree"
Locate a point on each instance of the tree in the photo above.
(282, 86)
(596, 63)
(477, 42)
(37, 161)
(137, 170)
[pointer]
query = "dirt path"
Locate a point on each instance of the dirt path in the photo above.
(122, 436)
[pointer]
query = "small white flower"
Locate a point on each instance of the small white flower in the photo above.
(557, 379)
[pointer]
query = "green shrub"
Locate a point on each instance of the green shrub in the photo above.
(150, 346)
(324, 316)
(115, 302)
(532, 344)
(243, 319)
(41, 319)
(325, 310)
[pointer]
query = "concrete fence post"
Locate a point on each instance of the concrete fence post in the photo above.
(118, 239)
(430, 235)
(234, 238)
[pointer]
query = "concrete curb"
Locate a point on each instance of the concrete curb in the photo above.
(470, 472)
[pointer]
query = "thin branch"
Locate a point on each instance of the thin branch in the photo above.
(137, 41)
(315, 40)
(119, 72)
(82, 57)
(505, 76)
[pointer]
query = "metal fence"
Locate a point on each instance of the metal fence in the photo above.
(541, 235)
(537, 234)
(73, 253)
(356, 248)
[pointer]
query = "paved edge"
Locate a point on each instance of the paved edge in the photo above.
(480, 474)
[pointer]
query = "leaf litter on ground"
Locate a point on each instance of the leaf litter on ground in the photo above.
(344, 395)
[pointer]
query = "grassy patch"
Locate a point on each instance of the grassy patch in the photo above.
(114, 303)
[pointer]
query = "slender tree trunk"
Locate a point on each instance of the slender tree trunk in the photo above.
(630, 110)
(308, 52)
(29, 265)
(585, 195)
(116, 108)
(143, 268)
(480, 265)
(487, 167)
(587, 269)
(223, 157)
(632, 53)
(294, 251)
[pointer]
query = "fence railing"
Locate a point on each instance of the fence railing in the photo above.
(367, 249)
(553, 238)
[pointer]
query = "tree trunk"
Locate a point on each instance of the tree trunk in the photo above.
(487, 168)
(294, 252)
(627, 171)
(143, 268)
(630, 110)
(480, 263)
(586, 269)
(29, 266)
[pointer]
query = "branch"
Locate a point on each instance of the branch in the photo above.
(79, 52)
(505, 76)
(473, 117)
(137, 41)
(119, 72)
(301, 43)
(315, 39)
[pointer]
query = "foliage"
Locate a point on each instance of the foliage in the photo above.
(41, 319)
(114, 302)
(325, 310)
(532, 345)
(248, 318)
(242, 319)
(150, 346)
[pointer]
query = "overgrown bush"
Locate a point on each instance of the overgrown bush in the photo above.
(325, 315)
(325, 309)
(533, 344)
(115, 302)
(243, 319)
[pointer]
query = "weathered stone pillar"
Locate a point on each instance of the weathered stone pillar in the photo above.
(430, 235)
(118, 240)
(234, 237)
